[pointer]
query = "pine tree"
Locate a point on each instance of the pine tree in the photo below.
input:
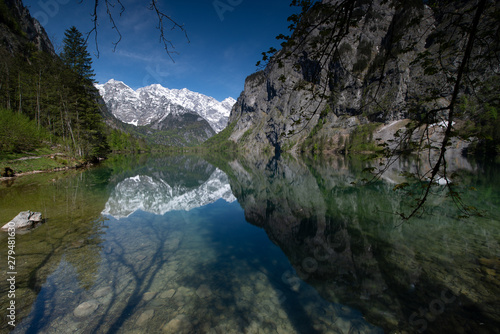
(81, 113)
(75, 54)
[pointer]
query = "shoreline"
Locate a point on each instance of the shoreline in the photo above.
(38, 164)
(15, 176)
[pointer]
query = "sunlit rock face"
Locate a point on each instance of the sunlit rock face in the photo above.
(153, 194)
(152, 104)
(322, 91)
(288, 97)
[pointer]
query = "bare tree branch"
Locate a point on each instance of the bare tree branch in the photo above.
(163, 19)
(441, 162)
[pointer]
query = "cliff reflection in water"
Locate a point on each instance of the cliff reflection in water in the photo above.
(434, 273)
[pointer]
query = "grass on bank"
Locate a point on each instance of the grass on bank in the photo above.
(43, 159)
(26, 147)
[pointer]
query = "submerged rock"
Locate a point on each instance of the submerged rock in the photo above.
(25, 220)
(203, 291)
(144, 317)
(148, 296)
(168, 294)
(178, 325)
(86, 308)
(104, 291)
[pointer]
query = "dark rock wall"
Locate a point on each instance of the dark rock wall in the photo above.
(18, 26)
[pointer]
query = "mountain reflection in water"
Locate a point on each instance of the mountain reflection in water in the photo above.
(172, 251)
(153, 194)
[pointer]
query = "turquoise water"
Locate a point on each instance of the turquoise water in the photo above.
(176, 245)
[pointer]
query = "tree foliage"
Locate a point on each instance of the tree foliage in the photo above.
(121, 141)
(56, 97)
(18, 133)
(75, 54)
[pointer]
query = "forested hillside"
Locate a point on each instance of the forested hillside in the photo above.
(50, 100)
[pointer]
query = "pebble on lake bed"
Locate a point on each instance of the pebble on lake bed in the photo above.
(102, 292)
(178, 325)
(168, 294)
(203, 291)
(144, 317)
(86, 308)
(148, 296)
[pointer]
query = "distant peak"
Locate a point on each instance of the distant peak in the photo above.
(116, 83)
(158, 88)
(113, 81)
(155, 86)
(229, 100)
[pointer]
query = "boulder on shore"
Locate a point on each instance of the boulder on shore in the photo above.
(25, 220)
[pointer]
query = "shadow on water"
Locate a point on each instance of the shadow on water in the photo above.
(39, 310)
(142, 275)
(249, 270)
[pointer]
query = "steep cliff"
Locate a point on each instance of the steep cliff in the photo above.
(17, 27)
(344, 77)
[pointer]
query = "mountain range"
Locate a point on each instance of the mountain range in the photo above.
(149, 106)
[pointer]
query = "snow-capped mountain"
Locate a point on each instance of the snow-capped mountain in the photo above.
(155, 195)
(154, 103)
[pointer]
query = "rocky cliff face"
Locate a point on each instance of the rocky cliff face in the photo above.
(370, 75)
(17, 26)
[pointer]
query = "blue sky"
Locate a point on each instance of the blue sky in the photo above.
(226, 39)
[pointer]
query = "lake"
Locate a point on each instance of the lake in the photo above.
(190, 244)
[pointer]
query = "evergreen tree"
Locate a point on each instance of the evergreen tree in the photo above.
(75, 54)
(85, 127)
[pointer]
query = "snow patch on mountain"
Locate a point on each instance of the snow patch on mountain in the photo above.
(155, 102)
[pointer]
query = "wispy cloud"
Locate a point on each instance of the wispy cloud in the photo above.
(137, 56)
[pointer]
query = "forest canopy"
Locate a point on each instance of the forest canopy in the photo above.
(56, 94)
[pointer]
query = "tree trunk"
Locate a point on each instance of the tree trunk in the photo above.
(38, 99)
(20, 94)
